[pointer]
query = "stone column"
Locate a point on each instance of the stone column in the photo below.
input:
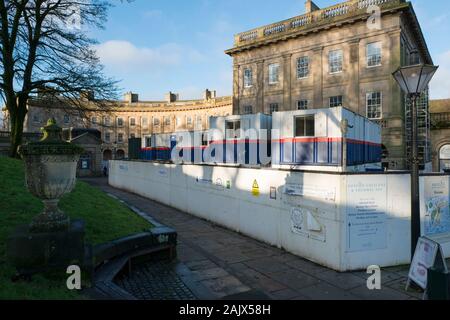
(317, 71)
(259, 87)
(353, 98)
(287, 81)
(394, 133)
(236, 89)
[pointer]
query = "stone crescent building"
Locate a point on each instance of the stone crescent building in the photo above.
(343, 55)
(130, 118)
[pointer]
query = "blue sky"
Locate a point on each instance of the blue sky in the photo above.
(154, 46)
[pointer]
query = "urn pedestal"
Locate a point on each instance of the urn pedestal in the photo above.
(51, 240)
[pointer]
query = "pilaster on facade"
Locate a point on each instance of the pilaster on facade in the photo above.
(317, 72)
(236, 89)
(260, 84)
(287, 82)
(353, 99)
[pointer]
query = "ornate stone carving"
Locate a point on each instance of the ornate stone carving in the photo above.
(51, 166)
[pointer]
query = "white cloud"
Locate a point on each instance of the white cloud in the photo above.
(125, 56)
(440, 85)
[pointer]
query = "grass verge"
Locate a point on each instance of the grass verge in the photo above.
(106, 219)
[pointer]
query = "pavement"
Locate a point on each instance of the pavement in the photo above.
(232, 266)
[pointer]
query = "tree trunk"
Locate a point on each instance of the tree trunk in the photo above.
(17, 120)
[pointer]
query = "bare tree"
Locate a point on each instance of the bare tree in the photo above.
(44, 45)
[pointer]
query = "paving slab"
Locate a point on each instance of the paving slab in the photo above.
(385, 293)
(294, 279)
(325, 291)
(344, 280)
(267, 265)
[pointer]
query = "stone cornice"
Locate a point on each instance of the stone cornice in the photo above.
(142, 107)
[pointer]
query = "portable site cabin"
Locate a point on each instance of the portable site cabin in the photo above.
(191, 145)
(241, 139)
(157, 147)
(332, 139)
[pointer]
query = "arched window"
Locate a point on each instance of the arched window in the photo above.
(120, 154)
(444, 153)
(107, 155)
(444, 158)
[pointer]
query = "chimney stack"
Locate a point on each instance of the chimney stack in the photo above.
(171, 97)
(131, 97)
(310, 6)
(208, 95)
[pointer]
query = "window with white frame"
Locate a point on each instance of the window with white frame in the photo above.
(120, 122)
(248, 78)
(198, 123)
(305, 126)
(107, 121)
(273, 107)
(374, 105)
(233, 129)
(335, 60)
(248, 109)
(302, 67)
(274, 73)
(373, 54)
(302, 105)
(336, 101)
(148, 141)
(205, 141)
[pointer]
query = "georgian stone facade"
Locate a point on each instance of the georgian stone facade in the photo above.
(440, 134)
(348, 61)
(130, 118)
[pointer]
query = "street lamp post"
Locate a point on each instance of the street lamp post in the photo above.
(413, 80)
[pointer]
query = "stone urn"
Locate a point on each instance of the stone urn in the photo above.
(51, 166)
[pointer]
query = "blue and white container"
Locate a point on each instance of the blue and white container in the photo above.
(333, 139)
(241, 139)
(157, 147)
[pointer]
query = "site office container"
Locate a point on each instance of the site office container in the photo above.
(314, 140)
(157, 147)
(190, 146)
(241, 139)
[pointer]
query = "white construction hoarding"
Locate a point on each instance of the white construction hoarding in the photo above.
(342, 221)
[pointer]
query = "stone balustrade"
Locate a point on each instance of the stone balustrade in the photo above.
(352, 7)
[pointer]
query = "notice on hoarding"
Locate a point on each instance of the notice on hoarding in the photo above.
(435, 206)
(310, 191)
(366, 213)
